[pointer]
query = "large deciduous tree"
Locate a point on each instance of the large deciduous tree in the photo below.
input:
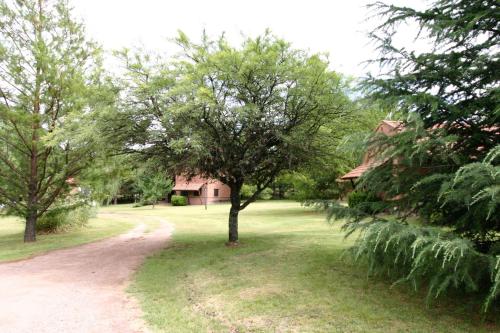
(254, 111)
(241, 115)
(47, 71)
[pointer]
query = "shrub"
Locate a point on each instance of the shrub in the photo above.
(362, 200)
(142, 203)
(266, 194)
(62, 219)
(179, 200)
(80, 216)
(355, 198)
(53, 221)
(247, 191)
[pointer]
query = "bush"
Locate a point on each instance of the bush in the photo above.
(80, 216)
(266, 194)
(179, 200)
(142, 203)
(62, 219)
(355, 198)
(362, 200)
(248, 190)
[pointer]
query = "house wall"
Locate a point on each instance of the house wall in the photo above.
(386, 128)
(224, 191)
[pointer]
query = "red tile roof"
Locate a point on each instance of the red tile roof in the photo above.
(187, 186)
(393, 123)
(357, 172)
(394, 127)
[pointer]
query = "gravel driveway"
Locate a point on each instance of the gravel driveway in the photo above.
(80, 289)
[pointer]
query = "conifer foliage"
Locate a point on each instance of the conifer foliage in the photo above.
(442, 168)
(433, 255)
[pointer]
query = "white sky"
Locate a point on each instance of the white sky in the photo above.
(337, 27)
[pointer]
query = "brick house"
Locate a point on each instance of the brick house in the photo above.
(199, 190)
(387, 127)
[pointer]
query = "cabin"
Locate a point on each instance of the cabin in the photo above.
(387, 127)
(200, 191)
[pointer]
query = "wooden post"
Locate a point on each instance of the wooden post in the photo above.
(206, 194)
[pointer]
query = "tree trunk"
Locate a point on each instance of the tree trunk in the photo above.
(29, 230)
(281, 192)
(32, 202)
(115, 200)
(275, 194)
(233, 214)
(233, 225)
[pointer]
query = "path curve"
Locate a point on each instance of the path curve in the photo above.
(79, 289)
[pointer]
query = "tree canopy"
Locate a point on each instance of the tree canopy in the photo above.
(241, 115)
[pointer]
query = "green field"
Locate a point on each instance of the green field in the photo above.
(290, 274)
(12, 246)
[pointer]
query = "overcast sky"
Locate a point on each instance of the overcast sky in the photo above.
(337, 27)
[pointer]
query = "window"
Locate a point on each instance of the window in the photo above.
(184, 193)
(216, 192)
(196, 194)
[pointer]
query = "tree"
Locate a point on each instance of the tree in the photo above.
(254, 111)
(454, 85)
(110, 177)
(48, 73)
(153, 186)
(342, 149)
(142, 126)
(441, 168)
(448, 96)
(239, 115)
(464, 257)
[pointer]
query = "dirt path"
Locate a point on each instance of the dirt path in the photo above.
(80, 289)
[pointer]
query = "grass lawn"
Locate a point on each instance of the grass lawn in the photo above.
(11, 236)
(288, 275)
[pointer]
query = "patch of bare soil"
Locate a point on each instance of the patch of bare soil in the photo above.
(80, 289)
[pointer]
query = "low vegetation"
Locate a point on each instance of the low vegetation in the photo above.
(178, 200)
(61, 220)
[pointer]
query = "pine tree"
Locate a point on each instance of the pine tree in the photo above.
(449, 96)
(47, 71)
(442, 168)
(454, 85)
